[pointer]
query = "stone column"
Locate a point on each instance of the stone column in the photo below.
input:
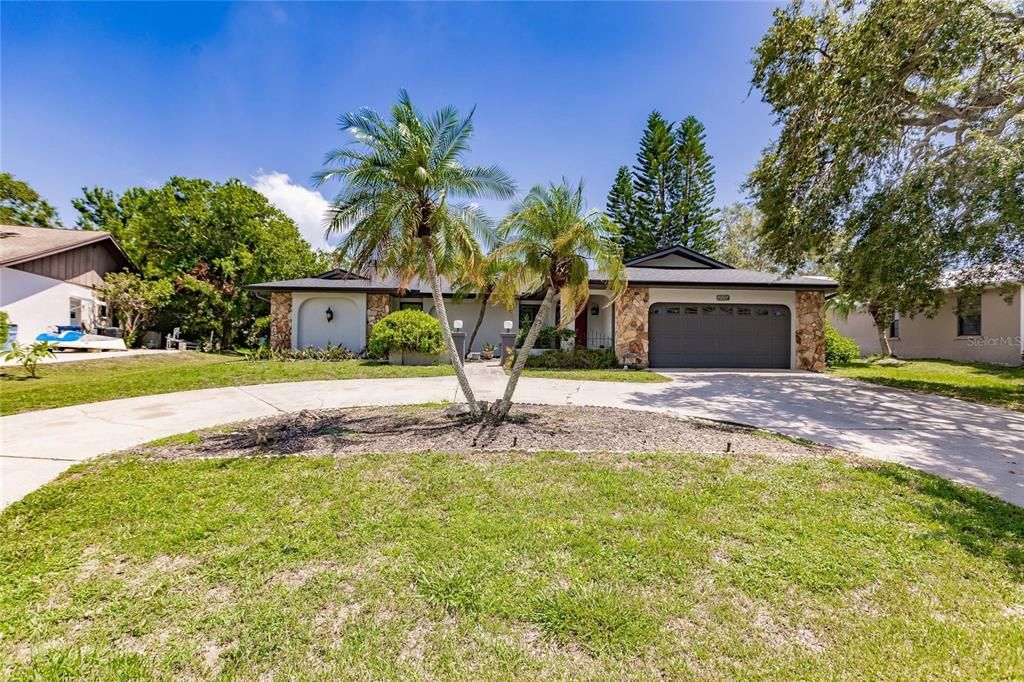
(377, 307)
(281, 320)
(631, 324)
(810, 331)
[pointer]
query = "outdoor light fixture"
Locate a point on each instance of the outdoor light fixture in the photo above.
(508, 325)
(594, 310)
(457, 325)
(330, 314)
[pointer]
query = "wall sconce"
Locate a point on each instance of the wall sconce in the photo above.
(507, 325)
(594, 310)
(330, 315)
(457, 325)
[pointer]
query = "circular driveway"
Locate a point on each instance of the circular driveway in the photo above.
(974, 444)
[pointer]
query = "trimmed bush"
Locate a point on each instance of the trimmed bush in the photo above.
(578, 358)
(549, 337)
(405, 330)
(839, 349)
(5, 327)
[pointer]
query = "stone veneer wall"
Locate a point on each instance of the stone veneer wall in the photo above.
(281, 320)
(377, 306)
(810, 330)
(631, 323)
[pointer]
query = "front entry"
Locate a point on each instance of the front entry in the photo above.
(581, 329)
(719, 336)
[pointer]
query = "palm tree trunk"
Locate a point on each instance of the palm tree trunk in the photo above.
(446, 332)
(531, 338)
(479, 320)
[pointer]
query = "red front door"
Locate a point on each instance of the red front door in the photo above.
(581, 329)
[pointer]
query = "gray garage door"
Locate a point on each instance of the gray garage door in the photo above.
(702, 335)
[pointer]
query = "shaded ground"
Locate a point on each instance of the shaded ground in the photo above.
(422, 428)
(978, 382)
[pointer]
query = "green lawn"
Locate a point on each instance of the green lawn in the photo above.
(517, 566)
(74, 383)
(630, 376)
(989, 384)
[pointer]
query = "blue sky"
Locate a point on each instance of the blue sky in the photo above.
(128, 94)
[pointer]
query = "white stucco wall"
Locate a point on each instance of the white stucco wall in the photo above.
(736, 297)
(35, 303)
(311, 328)
(468, 311)
(1002, 329)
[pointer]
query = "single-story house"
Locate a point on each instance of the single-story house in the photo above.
(48, 277)
(988, 328)
(682, 309)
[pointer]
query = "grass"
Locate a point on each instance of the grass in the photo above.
(75, 383)
(981, 383)
(530, 566)
(630, 376)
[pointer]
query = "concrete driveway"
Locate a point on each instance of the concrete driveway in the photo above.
(973, 444)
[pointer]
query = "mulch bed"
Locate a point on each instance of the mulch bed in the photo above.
(432, 428)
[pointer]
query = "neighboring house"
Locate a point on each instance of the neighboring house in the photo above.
(682, 309)
(49, 276)
(986, 329)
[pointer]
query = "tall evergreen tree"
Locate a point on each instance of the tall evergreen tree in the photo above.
(635, 239)
(667, 198)
(693, 215)
(655, 176)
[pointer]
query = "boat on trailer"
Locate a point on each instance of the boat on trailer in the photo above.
(73, 338)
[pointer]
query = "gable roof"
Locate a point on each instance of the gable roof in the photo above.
(21, 244)
(719, 278)
(683, 252)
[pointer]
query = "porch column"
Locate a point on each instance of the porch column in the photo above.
(281, 320)
(631, 324)
(810, 331)
(377, 307)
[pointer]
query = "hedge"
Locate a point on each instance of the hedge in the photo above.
(578, 358)
(406, 330)
(839, 349)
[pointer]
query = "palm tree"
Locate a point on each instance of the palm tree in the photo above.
(550, 241)
(403, 179)
(483, 285)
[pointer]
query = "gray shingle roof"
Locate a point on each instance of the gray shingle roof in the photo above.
(718, 277)
(373, 284)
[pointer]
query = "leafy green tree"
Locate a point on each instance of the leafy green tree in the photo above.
(901, 146)
(740, 244)
(693, 221)
(399, 208)
(22, 205)
(483, 284)
(211, 239)
(550, 240)
(135, 300)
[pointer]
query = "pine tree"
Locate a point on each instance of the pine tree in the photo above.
(635, 238)
(693, 216)
(654, 176)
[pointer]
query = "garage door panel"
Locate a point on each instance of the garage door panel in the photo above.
(729, 335)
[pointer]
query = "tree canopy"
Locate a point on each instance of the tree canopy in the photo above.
(901, 152)
(210, 239)
(667, 197)
(22, 205)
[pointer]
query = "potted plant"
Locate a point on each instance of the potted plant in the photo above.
(488, 351)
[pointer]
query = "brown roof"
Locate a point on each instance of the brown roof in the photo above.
(19, 244)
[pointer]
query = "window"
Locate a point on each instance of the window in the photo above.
(968, 315)
(410, 305)
(894, 328)
(672, 311)
(527, 313)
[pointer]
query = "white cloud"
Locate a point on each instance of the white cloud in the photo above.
(305, 206)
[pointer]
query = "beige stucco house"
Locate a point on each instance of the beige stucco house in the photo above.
(990, 330)
(682, 309)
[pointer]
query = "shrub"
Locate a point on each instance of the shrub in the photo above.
(29, 356)
(549, 337)
(578, 358)
(331, 353)
(406, 330)
(5, 327)
(839, 349)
